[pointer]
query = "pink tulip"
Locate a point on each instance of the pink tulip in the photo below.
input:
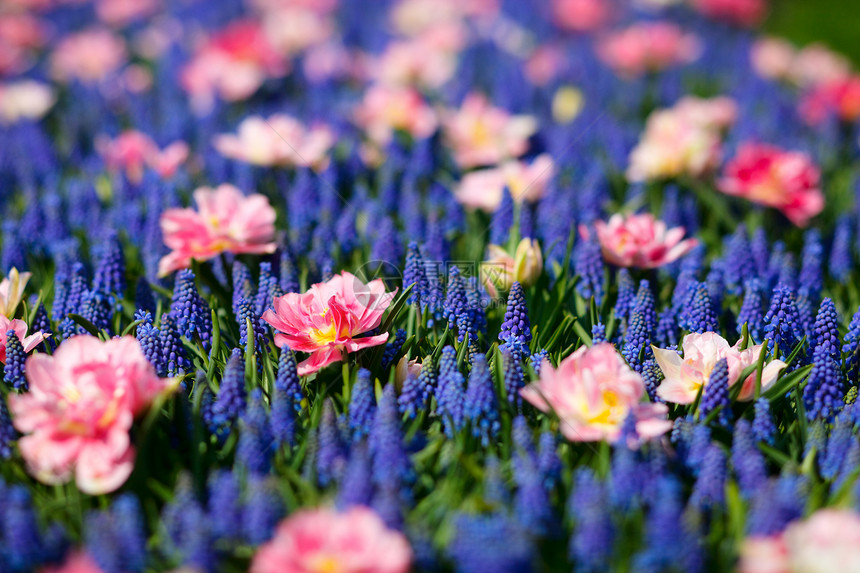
(315, 540)
(581, 15)
(119, 13)
(90, 56)
(76, 562)
(12, 291)
(816, 64)
(739, 12)
(640, 241)
(279, 140)
(133, 151)
(685, 377)
(592, 392)
(386, 109)
(838, 98)
(483, 189)
(769, 175)
(647, 47)
(226, 221)
(480, 134)
(20, 327)
(78, 413)
(20, 35)
(772, 57)
(292, 29)
(500, 269)
(417, 62)
(328, 320)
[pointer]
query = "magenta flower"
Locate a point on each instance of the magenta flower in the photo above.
(78, 413)
(20, 327)
(226, 222)
(640, 241)
(328, 320)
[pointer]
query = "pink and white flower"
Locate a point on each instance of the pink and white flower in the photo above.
(25, 99)
(648, 47)
(291, 29)
(484, 188)
(581, 15)
(769, 175)
(90, 56)
(280, 140)
(133, 151)
(328, 321)
(480, 134)
(685, 377)
(226, 221)
(419, 62)
(772, 58)
(592, 392)
(639, 241)
(20, 327)
(315, 540)
(501, 269)
(77, 416)
(839, 98)
(119, 13)
(386, 109)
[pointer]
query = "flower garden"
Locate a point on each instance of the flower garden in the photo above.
(342, 286)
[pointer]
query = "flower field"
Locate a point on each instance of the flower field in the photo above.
(353, 286)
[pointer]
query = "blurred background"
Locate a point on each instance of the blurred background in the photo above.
(835, 23)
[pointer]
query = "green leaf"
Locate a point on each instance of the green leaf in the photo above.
(85, 324)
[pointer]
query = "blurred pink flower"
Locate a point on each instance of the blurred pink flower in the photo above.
(25, 99)
(332, 60)
(416, 62)
(90, 56)
(816, 64)
(483, 189)
(226, 222)
(78, 413)
(132, 151)
(20, 327)
(386, 109)
(480, 134)
(647, 47)
(769, 175)
(317, 540)
(21, 34)
(76, 562)
(684, 377)
(328, 320)
(581, 15)
(280, 140)
(739, 12)
(543, 64)
(639, 241)
(119, 13)
(772, 58)
(292, 29)
(592, 392)
(838, 98)
(828, 541)
(232, 65)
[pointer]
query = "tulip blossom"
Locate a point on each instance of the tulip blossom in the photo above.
(592, 392)
(500, 269)
(480, 134)
(828, 541)
(120, 13)
(279, 140)
(77, 416)
(328, 321)
(740, 12)
(232, 65)
(132, 151)
(483, 189)
(386, 109)
(226, 221)
(12, 291)
(683, 140)
(769, 175)
(639, 241)
(317, 540)
(419, 62)
(25, 99)
(685, 377)
(816, 64)
(90, 56)
(647, 47)
(76, 562)
(292, 29)
(838, 98)
(581, 15)
(20, 327)
(772, 57)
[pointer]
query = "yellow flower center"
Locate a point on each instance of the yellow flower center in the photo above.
(325, 564)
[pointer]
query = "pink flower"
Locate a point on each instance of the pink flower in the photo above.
(232, 65)
(90, 56)
(279, 140)
(119, 13)
(592, 392)
(838, 98)
(25, 99)
(581, 15)
(501, 269)
(769, 175)
(315, 540)
(20, 327)
(76, 562)
(226, 221)
(772, 57)
(480, 134)
(684, 377)
(640, 241)
(826, 542)
(291, 29)
(328, 320)
(683, 140)
(20, 35)
(483, 189)
(544, 64)
(386, 109)
(739, 12)
(647, 47)
(132, 151)
(816, 64)
(78, 413)
(417, 62)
